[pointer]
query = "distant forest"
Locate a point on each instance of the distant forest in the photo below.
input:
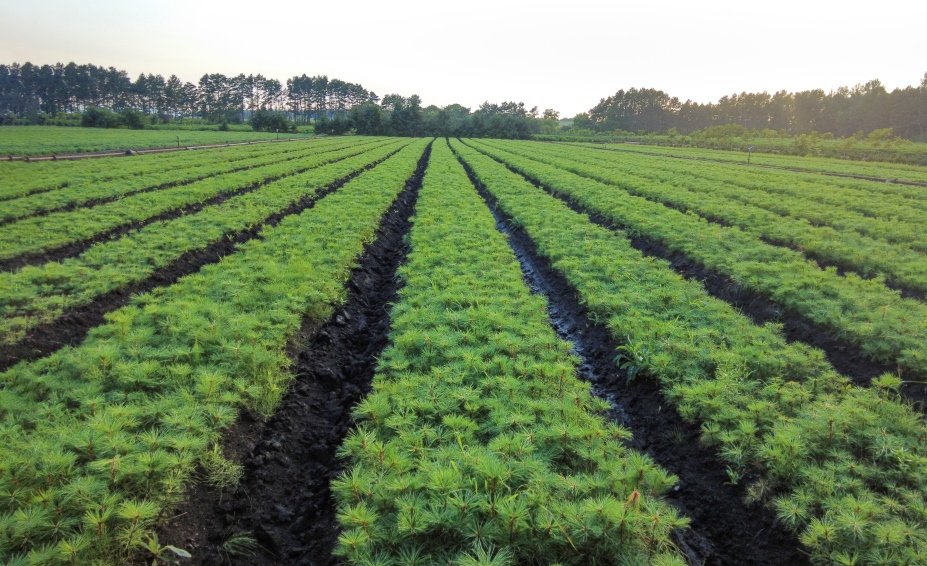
(842, 112)
(43, 94)
(32, 94)
(27, 90)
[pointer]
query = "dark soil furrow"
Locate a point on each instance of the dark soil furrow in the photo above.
(98, 201)
(72, 326)
(724, 531)
(76, 248)
(847, 358)
(283, 500)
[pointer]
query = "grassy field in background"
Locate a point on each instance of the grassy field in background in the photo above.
(51, 140)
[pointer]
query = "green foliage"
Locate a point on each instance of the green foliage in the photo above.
(337, 125)
(132, 119)
(239, 544)
(79, 182)
(64, 227)
(843, 466)
(865, 312)
(39, 294)
(877, 165)
(94, 117)
(99, 440)
(48, 140)
(852, 153)
(880, 136)
(858, 227)
(367, 119)
(478, 444)
(633, 357)
(263, 120)
(404, 116)
(220, 473)
(167, 554)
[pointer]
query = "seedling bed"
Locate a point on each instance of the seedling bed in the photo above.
(283, 500)
(845, 357)
(741, 534)
(73, 325)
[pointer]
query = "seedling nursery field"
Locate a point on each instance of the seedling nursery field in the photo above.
(401, 351)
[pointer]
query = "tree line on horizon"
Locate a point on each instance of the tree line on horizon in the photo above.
(30, 90)
(842, 112)
(404, 116)
(33, 94)
(108, 97)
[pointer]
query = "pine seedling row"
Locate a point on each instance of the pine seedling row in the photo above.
(23, 179)
(877, 320)
(99, 441)
(867, 255)
(844, 467)
(873, 199)
(36, 295)
(82, 194)
(58, 229)
(478, 444)
(798, 164)
(36, 140)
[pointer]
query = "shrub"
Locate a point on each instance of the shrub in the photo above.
(268, 121)
(94, 117)
(133, 119)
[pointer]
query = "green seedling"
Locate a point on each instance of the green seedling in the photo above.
(167, 554)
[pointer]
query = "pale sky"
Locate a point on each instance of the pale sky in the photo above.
(561, 55)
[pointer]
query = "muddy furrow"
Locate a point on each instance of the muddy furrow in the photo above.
(72, 326)
(724, 531)
(169, 185)
(283, 501)
(846, 357)
(74, 249)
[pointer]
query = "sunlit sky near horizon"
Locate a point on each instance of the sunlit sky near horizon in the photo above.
(561, 55)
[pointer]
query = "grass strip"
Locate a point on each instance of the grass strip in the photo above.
(478, 441)
(48, 140)
(99, 440)
(844, 467)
